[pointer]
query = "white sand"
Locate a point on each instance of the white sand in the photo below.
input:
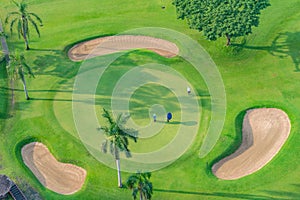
(265, 130)
(112, 44)
(59, 177)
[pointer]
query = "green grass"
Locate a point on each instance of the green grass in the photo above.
(3, 93)
(261, 72)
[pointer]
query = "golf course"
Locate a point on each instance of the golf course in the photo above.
(212, 121)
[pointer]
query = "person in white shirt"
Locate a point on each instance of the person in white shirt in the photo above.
(188, 89)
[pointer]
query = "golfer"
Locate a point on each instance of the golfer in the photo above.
(188, 89)
(154, 117)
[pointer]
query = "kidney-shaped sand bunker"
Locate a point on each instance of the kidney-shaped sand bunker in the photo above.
(112, 44)
(59, 177)
(265, 130)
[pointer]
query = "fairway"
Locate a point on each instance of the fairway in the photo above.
(68, 96)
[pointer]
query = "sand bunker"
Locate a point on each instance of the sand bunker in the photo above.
(265, 130)
(56, 176)
(112, 44)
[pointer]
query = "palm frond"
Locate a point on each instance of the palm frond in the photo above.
(104, 146)
(24, 64)
(119, 120)
(3, 34)
(130, 133)
(122, 119)
(21, 73)
(146, 175)
(20, 31)
(112, 148)
(37, 18)
(134, 193)
(124, 140)
(146, 189)
(22, 6)
(146, 193)
(105, 130)
(119, 143)
(107, 115)
(131, 181)
(34, 25)
(139, 183)
(11, 71)
(9, 15)
(16, 3)
(127, 153)
(12, 25)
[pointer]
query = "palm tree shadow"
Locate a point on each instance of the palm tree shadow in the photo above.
(5, 115)
(284, 45)
(218, 194)
(56, 63)
(51, 50)
(285, 194)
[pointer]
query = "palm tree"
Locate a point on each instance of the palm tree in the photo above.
(2, 34)
(22, 18)
(140, 183)
(17, 69)
(117, 137)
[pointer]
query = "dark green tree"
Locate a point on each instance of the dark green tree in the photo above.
(22, 18)
(221, 18)
(117, 138)
(18, 69)
(140, 183)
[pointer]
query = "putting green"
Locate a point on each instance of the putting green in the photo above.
(85, 104)
(160, 140)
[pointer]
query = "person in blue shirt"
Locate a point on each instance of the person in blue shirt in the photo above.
(169, 116)
(154, 117)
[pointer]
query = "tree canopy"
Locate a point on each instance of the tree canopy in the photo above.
(221, 18)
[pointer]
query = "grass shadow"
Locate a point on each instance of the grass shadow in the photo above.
(49, 50)
(21, 90)
(239, 134)
(187, 123)
(237, 140)
(285, 194)
(56, 64)
(4, 94)
(218, 194)
(284, 45)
